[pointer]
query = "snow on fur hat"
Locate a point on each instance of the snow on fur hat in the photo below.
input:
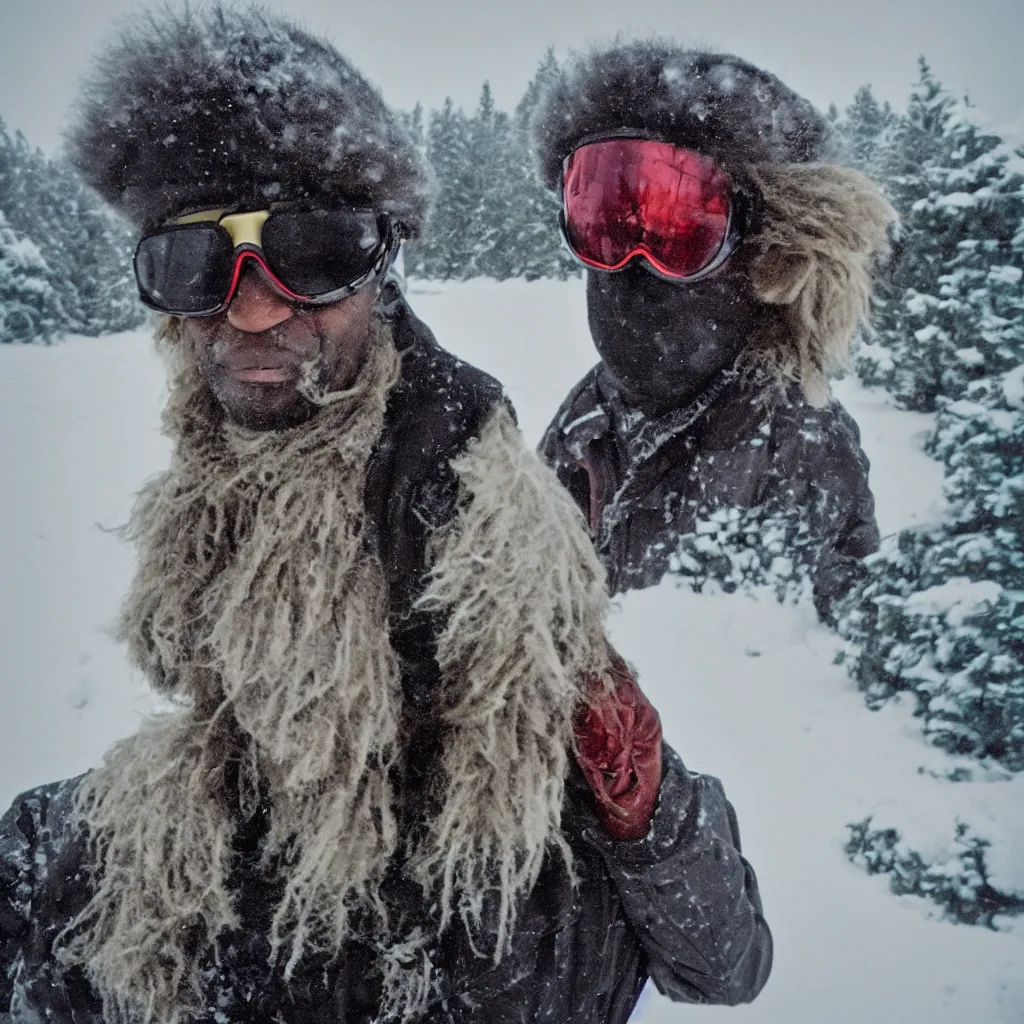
(194, 109)
(820, 228)
(714, 103)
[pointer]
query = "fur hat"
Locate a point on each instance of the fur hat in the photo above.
(192, 109)
(714, 103)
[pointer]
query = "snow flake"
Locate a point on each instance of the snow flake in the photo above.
(672, 75)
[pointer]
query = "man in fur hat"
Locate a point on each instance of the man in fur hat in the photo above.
(405, 778)
(727, 268)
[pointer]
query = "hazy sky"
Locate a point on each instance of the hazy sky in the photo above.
(420, 50)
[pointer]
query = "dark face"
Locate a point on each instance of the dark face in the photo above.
(255, 355)
(663, 342)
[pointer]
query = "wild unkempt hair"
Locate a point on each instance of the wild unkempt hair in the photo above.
(825, 230)
(257, 608)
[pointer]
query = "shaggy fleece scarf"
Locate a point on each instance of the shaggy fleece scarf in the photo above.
(258, 610)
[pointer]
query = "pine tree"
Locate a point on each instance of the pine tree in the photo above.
(413, 124)
(916, 144)
(95, 249)
(941, 612)
(867, 128)
(491, 194)
(440, 252)
(28, 207)
(85, 249)
(539, 241)
(29, 307)
(978, 315)
(939, 170)
(491, 216)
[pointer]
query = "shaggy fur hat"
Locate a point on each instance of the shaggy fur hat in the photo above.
(714, 103)
(193, 109)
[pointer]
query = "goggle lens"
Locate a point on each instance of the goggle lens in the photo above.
(318, 251)
(191, 269)
(187, 268)
(636, 197)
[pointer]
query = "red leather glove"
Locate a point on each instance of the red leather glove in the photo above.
(618, 746)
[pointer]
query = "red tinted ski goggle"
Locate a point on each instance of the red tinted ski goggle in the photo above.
(192, 266)
(629, 197)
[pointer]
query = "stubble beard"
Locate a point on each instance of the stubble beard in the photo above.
(268, 407)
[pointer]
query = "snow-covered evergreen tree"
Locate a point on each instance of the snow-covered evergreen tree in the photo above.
(29, 307)
(941, 612)
(412, 121)
(958, 205)
(539, 242)
(979, 314)
(96, 249)
(85, 249)
(916, 144)
(867, 127)
(492, 217)
(492, 194)
(867, 131)
(443, 245)
(940, 615)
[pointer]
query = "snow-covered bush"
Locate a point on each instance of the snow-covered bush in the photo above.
(746, 548)
(941, 611)
(960, 884)
(940, 615)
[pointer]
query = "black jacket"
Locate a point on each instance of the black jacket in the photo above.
(680, 905)
(646, 482)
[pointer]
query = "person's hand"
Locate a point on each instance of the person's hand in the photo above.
(618, 746)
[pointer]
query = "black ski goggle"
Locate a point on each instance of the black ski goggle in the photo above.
(311, 257)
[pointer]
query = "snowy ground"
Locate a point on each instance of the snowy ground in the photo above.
(746, 688)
